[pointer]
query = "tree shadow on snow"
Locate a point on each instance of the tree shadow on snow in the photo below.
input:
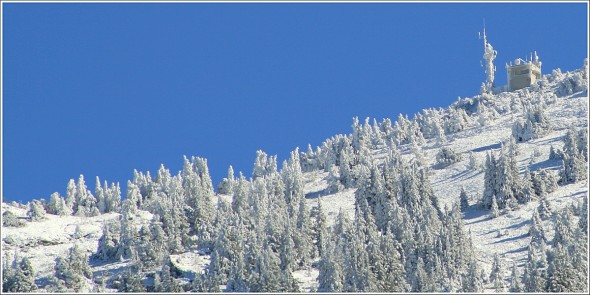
(517, 225)
(486, 148)
(315, 195)
(511, 239)
(545, 165)
(525, 248)
(473, 212)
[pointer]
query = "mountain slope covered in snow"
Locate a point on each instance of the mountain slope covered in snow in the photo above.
(282, 229)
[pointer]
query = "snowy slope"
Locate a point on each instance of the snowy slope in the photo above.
(506, 235)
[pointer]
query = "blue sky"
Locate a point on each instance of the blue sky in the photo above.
(102, 89)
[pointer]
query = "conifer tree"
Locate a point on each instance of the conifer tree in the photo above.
(108, 242)
(58, 206)
(334, 183)
(330, 272)
(19, 277)
(71, 196)
(494, 211)
(497, 275)
(472, 281)
(36, 211)
(583, 221)
(515, 284)
(544, 208)
(463, 200)
(534, 279)
(536, 231)
(319, 229)
(574, 163)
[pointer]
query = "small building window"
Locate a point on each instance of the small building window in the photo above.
(523, 72)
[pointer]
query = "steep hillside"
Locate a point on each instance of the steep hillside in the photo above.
(485, 127)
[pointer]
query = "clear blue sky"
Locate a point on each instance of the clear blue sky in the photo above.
(101, 89)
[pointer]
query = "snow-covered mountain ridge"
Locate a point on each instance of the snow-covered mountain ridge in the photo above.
(472, 128)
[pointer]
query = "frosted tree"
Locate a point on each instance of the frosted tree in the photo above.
(497, 274)
(71, 195)
(112, 196)
(463, 200)
(346, 161)
(167, 282)
(36, 211)
(19, 277)
(494, 211)
(583, 221)
(472, 280)
(544, 209)
(131, 281)
(447, 156)
(392, 276)
(100, 196)
(73, 270)
(109, 241)
(574, 163)
(302, 239)
(227, 184)
(489, 55)
(330, 272)
(319, 233)
(534, 125)
(85, 201)
(543, 182)
(582, 141)
(515, 284)
(536, 231)
(534, 277)
(264, 165)
(490, 179)
(57, 205)
(334, 184)
(10, 219)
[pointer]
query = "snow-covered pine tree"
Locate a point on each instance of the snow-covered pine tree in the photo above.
(71, 196)
(10, 219)
(334, 183)
(515, 284)
(490, 180)
(85, 201)
(36, 211)
(463, 200)
(227, 184)
(264, 165)
(302, 239)
(582, 141)
(100, 197)
(536, 231)
(319, 229)
(544, 208)
(574, 163)
(57, 206)
(447, 156)
(494, 211)
(330, 272)
(19, 277)
(472, 280)
(583, 221)
(534, 276)
(73, 270)
(497, 275)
